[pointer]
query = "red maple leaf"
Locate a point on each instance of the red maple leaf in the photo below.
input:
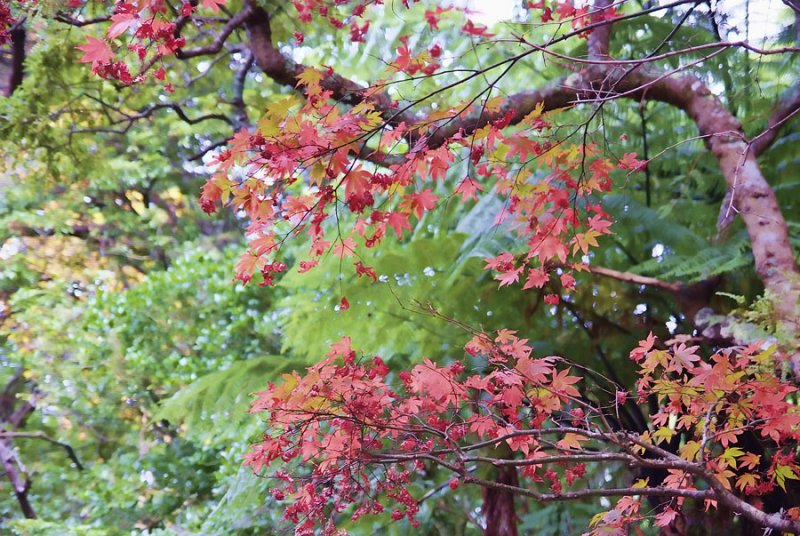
(95, 52)
(476, 29)
(398, 221)
(213, 5)
(511, 276)
(563, 383)
(419, 202)
(404, 58)
(536, 278)
(441, 159)
(535, 369)
(522, 145)
(432, 380)
(467, 189)
(121, 23)
(210, 194)
(630, 162)
(344, 248)
(356, 182)
(683, 357)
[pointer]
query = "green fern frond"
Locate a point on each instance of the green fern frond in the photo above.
(220, 401)
(706, 262)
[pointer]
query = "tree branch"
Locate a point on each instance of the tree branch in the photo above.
(242, 120)
(788, 106)
(131, 119)
(17, 58)
(753, 198)
(72, 21)
(41, 435)
(219, 41)
(600, 38)
(636, 279)
(285, 72)
(20, 485)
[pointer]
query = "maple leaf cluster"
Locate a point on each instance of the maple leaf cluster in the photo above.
(719, 399)
(707, 408)
(152, 36)
(566, 11)
(6, 21)
(344, 416)
(304, 164)
(349, 420)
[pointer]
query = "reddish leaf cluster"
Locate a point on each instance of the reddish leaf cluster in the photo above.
(343, 416)
(566, 11)
(349, 420)
(317, 143)
(152, 36)
(6, 21)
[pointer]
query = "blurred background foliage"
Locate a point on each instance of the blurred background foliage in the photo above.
(121, 322)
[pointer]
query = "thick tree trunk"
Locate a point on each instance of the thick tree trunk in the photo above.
(498, 506)
(752, 197)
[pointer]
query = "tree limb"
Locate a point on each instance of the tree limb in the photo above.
(235, 22)
(285, 72)
(41, 435)
(600, 37)
(72, 21)
(635, 279)
(753, 198)
(788, 106)
(21, 485)
(17, 58)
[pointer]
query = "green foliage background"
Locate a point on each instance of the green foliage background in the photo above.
(118, 307)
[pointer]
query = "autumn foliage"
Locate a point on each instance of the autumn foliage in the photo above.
(346, 417)
(345, 170)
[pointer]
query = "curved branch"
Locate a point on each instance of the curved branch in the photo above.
(41, 435)
(19, 481)
(286, 72)
(72, 21)
(773, 521)
(219, 41)
(753, 198)
(147, 112)
(627, 277)
(787, 108)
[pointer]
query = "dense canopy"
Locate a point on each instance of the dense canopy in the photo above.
(366, 267)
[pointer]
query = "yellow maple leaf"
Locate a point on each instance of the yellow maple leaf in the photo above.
(535, 113)
(310, 77)
(571, 441)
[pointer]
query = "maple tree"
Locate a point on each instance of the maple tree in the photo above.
(332, 171)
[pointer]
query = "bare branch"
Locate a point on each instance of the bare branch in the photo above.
(72, 21)
(242, 120)
(131, 119)
(19, 481)
(41, 435)
(635, 279)
(788, 106)
(147, 112)
(235, 22)
(202, 152)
